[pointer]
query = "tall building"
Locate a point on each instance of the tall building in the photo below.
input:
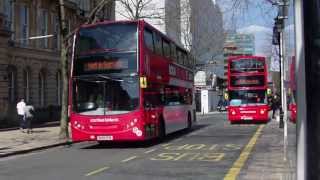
(202, 28)
(30, 68)
(236, 45)
(163, 14)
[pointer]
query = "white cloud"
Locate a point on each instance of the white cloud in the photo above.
(254, 29)
(263, 38)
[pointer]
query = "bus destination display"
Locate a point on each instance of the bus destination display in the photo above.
(247, 81)
(104, 65)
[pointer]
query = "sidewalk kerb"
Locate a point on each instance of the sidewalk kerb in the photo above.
(35, 149)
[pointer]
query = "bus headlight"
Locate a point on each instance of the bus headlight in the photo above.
(262, 111)
(233, 112)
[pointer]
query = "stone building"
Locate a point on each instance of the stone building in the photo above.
(29, 67)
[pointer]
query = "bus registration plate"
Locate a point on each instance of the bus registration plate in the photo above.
(246, 118)
(104, 138)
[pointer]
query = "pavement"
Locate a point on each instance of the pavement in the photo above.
(13, 142)
(268, 159)
(262, 163)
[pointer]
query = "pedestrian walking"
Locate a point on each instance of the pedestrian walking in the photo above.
(29, 114)
(275, 105)
(20, 109)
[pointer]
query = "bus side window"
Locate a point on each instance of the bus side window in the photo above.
(173, 52)
(179, 56)
(166, 48)
(190, 61)
(158, 44)
(148, 39)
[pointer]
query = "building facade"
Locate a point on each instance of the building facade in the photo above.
(29, 67)
(202, 28)
(237, 45)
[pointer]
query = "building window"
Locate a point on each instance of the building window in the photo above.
(42, 88)
(8, 12)
(43, 27)
(24, 25)
(26, 84)
(12, 82)
(56, 32)
(59, 87)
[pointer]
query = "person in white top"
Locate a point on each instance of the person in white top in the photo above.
(20, 109)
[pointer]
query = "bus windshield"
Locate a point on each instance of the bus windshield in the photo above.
(105, 94)
(107, 36)
(247, 97)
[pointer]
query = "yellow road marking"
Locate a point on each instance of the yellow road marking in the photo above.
(166, 145)
(150, 151)
(236, 167)
(129, 159)
(97, 171)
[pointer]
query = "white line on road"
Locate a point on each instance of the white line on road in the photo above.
(97, 171)
(129, 159)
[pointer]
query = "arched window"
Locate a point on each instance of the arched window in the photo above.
(26, 84)
(42, 87)
(12, 83)
(59, 87)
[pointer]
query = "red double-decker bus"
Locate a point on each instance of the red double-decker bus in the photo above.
(129, 82)
(247, 88)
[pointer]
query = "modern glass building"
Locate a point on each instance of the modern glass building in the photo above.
(236, 45)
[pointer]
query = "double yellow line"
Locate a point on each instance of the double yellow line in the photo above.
(236, 167)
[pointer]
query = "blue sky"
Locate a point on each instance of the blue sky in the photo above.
(258, 12)
(257, 18)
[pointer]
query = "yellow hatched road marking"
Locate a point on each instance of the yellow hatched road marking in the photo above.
(129, 159)
(97, 171)
(236, 167)
(165, 145)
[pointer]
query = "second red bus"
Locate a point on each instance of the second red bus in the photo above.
(247, 88)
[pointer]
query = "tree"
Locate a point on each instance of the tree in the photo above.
(64, 71)
(237, 9)
(65, 45)
(166, 17)
(139, 9)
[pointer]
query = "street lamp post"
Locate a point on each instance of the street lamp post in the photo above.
(279, 23)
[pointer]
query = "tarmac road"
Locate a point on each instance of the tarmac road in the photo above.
(213, 149)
